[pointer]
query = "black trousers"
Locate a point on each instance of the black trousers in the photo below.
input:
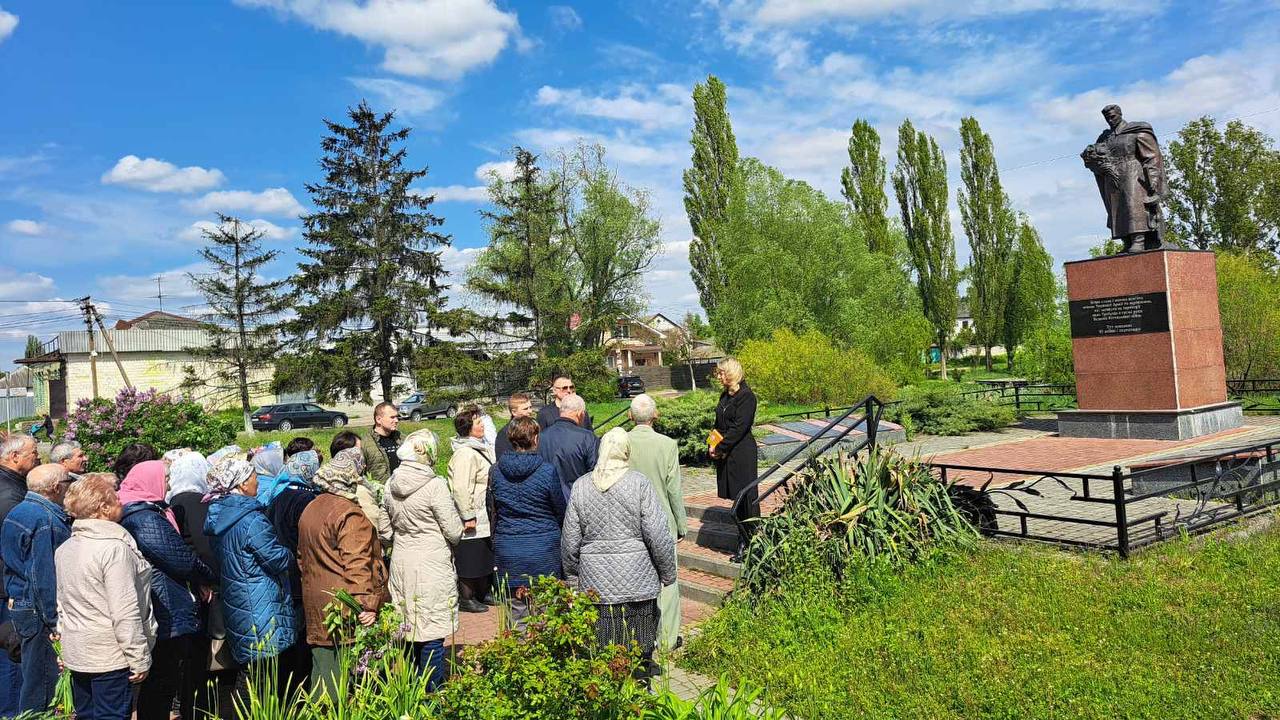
(164, 679)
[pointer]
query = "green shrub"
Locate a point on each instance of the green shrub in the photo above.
(688, 419)
(790, 368)
(719, 702)
(879, 509)
(553, 669)
(939, 409)
(1045, 353)
(105, 427)
(594, 380)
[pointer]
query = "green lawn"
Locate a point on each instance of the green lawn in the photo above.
(1188, 630)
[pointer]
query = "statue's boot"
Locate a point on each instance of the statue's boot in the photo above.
(1135, 243)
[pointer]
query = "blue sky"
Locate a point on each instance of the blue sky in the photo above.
(127, 124)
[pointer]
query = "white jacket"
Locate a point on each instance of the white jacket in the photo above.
(104, 600)
(425, 524)
(469, 482)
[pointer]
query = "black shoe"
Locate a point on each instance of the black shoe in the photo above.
(489, 600)
(471, 606)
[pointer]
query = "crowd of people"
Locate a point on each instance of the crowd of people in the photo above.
(176, 574)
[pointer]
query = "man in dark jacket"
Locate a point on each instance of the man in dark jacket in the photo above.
(18, 456)
(519, 406)
(31, 532)
(568, 446)
(561, 387)
(381, 442)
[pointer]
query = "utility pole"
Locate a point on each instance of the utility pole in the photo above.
(111, 346)
(159, 292)
(86, 307)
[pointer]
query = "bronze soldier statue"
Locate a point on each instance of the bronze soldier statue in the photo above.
(1127, 164)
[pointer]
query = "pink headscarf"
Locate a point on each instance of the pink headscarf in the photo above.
(145, 483)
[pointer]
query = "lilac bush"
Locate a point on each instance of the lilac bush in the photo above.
(105, 427)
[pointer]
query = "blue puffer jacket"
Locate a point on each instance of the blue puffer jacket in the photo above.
(529, 509)
(178, 569)
(256, 603)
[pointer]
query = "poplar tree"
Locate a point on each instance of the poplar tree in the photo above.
(988, 221)
(243, 308)
(371, 286)
(920, 183)
(1033, 288)
(862, 185)
(709, 185)
(33, 347)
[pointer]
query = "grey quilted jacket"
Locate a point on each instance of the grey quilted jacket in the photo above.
(617, 542)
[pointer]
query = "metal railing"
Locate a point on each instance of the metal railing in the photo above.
(1025, 396)
(871, 408)
(611, 418)
(1257, 396)
(1154, 503)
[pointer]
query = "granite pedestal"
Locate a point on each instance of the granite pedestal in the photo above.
(1147, 345)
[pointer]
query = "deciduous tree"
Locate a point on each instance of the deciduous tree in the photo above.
(987, 217)
(1032, 291)
(862, 184)
(709, 185)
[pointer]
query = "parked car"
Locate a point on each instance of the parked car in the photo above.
(287, 416)
(630, 386)
(415, 407)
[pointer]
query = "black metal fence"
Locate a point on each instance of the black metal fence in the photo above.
(1027, 397)
(1125, 510)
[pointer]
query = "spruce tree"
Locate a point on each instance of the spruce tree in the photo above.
(709, 185)
(243, 309)
(371, 287)
(920, 182)
(988, 220)
(863, 186)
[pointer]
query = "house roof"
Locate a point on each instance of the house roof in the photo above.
(158, 320)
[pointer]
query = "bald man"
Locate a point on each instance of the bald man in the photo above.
(30, 534)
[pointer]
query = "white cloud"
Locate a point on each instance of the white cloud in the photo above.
(795, 12)
(564, 17)
(423, 38)
(24, 286)
(458, 193)
(272, 201)
(160, 176)
(505, 169)
(405, 98)
(667, 105)
(180, 294)
(27, 227)
(622, 149)
(8, 23)
(270, 231)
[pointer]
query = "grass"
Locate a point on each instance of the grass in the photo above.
(1187, 630)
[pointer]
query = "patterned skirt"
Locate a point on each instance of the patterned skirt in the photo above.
(625, 623)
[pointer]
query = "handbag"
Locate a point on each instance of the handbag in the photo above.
(220, 657)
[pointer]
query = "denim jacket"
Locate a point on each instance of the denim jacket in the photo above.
(31, 532)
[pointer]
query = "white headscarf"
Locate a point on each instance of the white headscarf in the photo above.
(188, 473)
(615, 451)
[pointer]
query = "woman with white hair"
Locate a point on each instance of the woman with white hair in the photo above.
(616, 542)
(736, 454)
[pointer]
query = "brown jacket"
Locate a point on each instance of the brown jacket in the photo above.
(338, 549)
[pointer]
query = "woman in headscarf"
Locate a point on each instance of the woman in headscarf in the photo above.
(286, 497)
(179, 575)
(617, 543)
(256, 605)
(187, 488)
(469, 483)
(268, 462)
(424, 524)
(338, 549)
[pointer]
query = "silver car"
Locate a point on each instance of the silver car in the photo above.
(415, 407)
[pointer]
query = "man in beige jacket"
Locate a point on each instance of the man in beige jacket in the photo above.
(657, 457)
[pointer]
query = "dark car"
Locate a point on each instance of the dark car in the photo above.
(630, 386)
(415, 407)
(287, 416)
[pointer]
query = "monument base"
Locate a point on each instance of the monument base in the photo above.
(1150, 424)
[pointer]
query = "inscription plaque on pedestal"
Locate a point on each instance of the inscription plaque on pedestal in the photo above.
(1121, 315)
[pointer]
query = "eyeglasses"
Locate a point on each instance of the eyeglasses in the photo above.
(565, 387)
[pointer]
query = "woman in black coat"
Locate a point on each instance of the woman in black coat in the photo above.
(736, 454)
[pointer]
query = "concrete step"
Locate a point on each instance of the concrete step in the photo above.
(707, 560)
(703, 587)
(716, 535)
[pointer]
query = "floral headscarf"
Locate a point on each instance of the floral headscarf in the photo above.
(615, 452)
(187, 474)
(145, 483)
(226, 452)
(420, 446)
(226, 475)
(300, 469)
(343, 474)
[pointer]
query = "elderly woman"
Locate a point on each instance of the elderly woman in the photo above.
(268, 462)
(469, 482)
(256, 606)
(616, 542)
(424, 524)
(529, 507)
(338, 549)
(735, 456)
(104, 603)
(179, 575)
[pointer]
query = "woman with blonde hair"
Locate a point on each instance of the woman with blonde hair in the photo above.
(735, 454)
(104, 603)
(425, 526)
